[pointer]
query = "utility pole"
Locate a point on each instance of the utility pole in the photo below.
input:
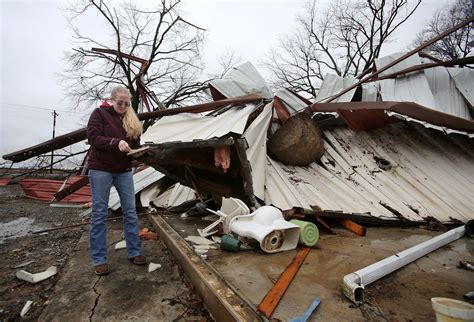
(54, 134)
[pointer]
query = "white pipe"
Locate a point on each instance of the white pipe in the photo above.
(354, 283)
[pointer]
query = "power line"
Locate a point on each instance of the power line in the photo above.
(30, 107)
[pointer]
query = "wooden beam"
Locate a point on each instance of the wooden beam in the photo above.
(354, 227)
(273, 297)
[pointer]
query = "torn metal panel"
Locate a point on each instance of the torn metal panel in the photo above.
(447, 97)
(180, 194)
(189, 127)
(430, 176)
(464, 80)
(381, 69)
(333, 84)
(66, 190)
(242, 80)
(443, 129)
(294, 103)
(256, 136)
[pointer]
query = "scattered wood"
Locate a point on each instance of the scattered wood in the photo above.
(273, 297)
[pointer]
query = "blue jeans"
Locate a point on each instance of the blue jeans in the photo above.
(101, 182)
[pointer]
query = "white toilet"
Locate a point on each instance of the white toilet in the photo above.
(266, 225)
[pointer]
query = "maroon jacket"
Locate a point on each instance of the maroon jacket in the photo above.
(104, 132)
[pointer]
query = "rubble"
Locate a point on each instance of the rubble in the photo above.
(37, 277)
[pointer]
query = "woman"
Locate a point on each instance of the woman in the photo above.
(112, 132)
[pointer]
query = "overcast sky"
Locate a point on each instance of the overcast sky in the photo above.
(34, 38)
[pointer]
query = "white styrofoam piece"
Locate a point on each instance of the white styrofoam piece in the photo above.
(38, 277)
(121, 245)
(153, 267)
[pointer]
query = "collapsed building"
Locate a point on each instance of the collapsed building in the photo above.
(394, 160)
(393, 148)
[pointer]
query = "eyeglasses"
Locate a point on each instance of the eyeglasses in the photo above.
(123, 103)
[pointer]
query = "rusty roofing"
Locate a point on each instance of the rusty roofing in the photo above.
(362, 116)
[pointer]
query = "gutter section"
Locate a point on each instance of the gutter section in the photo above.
(354, 283)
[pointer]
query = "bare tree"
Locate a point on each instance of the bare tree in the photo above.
(456, 44)
(153, 48)
(345, 39)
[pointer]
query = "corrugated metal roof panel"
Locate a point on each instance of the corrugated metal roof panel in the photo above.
(242, 80)
(44, 189)
(412, 87)
(432, 175)
(189, 127)
(370, 92)
(291, 101)
(180, 194)
(383, 61)
(174, 196)
(464, 80)
(447, 97)
(333, 84)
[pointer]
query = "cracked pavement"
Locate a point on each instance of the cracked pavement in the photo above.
(129, 292)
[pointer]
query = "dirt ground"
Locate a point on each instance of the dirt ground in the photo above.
(64, 248)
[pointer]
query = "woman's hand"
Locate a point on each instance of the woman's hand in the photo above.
(123, 146)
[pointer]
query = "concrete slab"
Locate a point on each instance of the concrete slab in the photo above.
(223, 301)
(402, 295)
(129, 292)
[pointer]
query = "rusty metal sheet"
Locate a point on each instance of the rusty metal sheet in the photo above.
(412, 110)
(44, 189)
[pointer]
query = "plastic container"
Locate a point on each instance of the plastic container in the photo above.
(449, 310)
(309, 233)
(230, 244)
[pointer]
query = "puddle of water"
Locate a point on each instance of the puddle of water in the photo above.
(17, 228)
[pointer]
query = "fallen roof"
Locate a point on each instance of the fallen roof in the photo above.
(430, 175)
(170, 128)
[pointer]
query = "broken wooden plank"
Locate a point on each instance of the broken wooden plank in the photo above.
(354, 227)
(274, 295)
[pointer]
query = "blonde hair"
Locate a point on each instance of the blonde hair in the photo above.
(131, 123)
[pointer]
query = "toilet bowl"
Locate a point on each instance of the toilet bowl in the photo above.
(266, 225)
